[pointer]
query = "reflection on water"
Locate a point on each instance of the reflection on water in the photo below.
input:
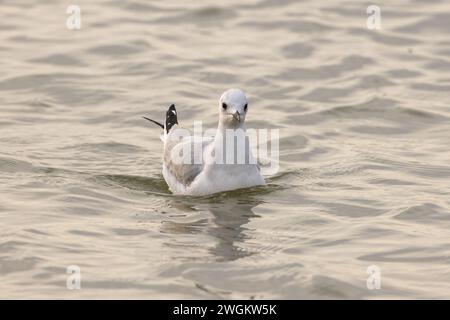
(226, 226)
(363, 117)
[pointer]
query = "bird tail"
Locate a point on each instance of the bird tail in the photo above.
(171, 119)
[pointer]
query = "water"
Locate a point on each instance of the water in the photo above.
(364, 163)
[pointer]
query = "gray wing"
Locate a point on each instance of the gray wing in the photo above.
(184, 159)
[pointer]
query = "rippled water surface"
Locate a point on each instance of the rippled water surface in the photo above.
(364, 120)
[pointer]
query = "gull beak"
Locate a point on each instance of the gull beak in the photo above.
(237, 116)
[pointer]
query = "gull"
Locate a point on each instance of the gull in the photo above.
(197, 165)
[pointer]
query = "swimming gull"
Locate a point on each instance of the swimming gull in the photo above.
(197, 165)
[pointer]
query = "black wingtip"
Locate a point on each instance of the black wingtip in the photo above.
(171, 117)
(155, 122)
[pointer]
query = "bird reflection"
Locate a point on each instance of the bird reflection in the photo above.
(229, 215)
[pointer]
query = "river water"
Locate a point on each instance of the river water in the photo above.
(364, 123)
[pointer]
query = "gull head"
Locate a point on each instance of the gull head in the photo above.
(233, 107)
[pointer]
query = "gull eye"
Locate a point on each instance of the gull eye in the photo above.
(245, 107)
(224, 106)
